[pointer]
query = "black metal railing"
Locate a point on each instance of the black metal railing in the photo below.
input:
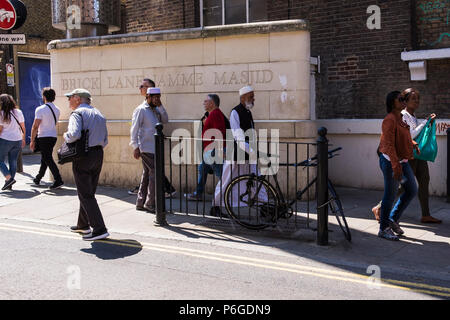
(293, 183)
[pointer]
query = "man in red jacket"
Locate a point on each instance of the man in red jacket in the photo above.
(214, 127)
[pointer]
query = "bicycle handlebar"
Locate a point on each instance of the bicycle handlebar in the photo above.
(307, 162)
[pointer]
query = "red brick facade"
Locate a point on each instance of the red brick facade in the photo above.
(358, 66)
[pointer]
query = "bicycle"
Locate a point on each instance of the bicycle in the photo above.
(270, 203)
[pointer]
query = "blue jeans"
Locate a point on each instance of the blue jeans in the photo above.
(203, 170)
(390, 191)
(11, 150)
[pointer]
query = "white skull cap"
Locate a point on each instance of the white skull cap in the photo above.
(153, 91)
(245, 90)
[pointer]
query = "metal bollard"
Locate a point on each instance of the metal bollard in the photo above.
(159, 176)
(448, 165)
(322, 187)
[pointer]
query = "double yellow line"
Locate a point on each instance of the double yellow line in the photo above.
(251, 262)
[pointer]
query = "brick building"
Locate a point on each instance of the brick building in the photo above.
(31, 61)
(358, 66)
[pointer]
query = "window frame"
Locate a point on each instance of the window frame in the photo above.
(247, 13)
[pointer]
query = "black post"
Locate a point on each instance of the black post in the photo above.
(159, 176)
(448, 165)
(322, 188)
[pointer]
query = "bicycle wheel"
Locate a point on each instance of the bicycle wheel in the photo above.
(336, 207)
(252, 202)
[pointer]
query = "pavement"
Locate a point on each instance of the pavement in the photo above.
(423, 253)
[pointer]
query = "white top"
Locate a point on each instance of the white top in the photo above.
(143, 124)
(47, 128)
(11, 131)
(413, 123)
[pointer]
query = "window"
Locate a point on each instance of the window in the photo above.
(217, 12)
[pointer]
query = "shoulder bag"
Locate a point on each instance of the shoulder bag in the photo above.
(68, 152)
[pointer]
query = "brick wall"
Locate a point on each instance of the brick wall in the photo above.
(155, 15)
(432, 24)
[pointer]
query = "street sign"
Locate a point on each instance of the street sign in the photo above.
(8, 15)
(10, 74)
(12, 38)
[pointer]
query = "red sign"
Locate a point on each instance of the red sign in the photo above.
(8, 15)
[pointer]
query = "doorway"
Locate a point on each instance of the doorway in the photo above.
(34, 75)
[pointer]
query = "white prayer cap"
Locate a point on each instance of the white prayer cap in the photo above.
(245, 90)
(153, 91)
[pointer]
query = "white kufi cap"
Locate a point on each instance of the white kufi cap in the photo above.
(245, 90)
(153, 91)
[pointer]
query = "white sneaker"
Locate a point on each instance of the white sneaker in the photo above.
(92, 236)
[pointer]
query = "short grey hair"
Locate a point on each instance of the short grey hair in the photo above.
(215, 98)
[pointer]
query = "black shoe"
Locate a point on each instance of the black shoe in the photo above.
(8, 184)
(80, 230)
(139, 208)
(56, 185)
(217, 212)
(36, 181)
(96, 236)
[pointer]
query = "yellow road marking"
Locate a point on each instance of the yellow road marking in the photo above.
(260, 263)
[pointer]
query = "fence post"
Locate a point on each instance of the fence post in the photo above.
(159, 176)
(322, 187)
(448, 165)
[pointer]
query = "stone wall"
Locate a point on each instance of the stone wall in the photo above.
(187, 65)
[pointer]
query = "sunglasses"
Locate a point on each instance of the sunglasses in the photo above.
(142, 86)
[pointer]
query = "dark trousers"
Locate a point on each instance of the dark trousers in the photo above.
(420, 169)
(146, 193)
(86, 172)
(46, 145)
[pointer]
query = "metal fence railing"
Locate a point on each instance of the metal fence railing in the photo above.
(277, 189)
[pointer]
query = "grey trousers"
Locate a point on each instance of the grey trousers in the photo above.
(146, 194)
(86, 172)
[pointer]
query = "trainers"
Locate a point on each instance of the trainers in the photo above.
(36, 181)
(396, 228)
(96, 236)
(193, 196)
(133, 191)
(388, 234)
(56, 185)
(75, 229)
(8, 184)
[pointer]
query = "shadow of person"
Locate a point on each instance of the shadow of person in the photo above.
(20, 194)
(110, 249)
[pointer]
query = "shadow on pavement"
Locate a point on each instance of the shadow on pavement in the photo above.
(110, 249)
(20, 194)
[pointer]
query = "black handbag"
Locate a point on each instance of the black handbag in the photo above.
(68, 152)
(36, 140)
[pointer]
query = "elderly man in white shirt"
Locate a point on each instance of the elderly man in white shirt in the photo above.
(144, 120)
